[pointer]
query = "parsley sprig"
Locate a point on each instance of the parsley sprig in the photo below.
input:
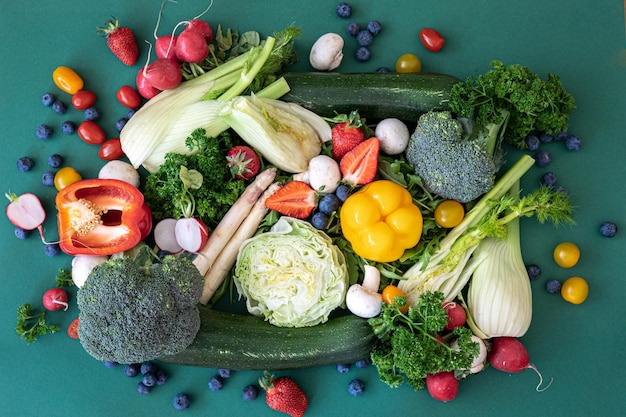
(30, 325)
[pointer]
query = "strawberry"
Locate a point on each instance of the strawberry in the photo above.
(121, 41)
(243, 162)
(283, 394)
(295, 199)
(360, 165)
(347, 134)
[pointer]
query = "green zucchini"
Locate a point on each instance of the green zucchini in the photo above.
(376, 96)
(238, 341)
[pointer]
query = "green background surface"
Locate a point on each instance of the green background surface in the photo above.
(581, 347)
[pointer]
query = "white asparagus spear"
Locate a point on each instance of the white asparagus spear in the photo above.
(232, 220)
(228, 256)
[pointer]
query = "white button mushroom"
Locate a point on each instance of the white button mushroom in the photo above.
(327, 52)
(393, 135)
(364, 300)
(82, 266)
(324, 174)
(120, 170)
(479, 362)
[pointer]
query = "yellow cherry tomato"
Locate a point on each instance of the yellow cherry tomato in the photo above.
(575, 290)
(566, 254)
(408, 63)
(449, 213)
(390, 292)
(66, 176)
(67, 79)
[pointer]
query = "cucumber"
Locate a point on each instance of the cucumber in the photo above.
(245, 342)
(376, 96)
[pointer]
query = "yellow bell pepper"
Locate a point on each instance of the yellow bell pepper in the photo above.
(380, 221)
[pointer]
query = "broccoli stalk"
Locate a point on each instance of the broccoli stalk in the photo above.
(134, 309)
(446, 270)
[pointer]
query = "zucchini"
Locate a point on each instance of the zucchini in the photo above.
(245, 342)
(376, 96)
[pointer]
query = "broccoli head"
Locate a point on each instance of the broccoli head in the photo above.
(454, 160)
(134, 309)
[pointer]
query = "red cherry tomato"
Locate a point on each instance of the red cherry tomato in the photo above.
(111, 150)
(90, 132)
(431, 39)
(83, 99)
(72, 330)
(128, 97)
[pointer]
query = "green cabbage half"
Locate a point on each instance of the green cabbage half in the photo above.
(293, 275)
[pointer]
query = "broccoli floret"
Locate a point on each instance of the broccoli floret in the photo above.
(135, 309)
(454, 159)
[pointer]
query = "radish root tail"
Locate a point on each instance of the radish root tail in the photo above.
(538, 389)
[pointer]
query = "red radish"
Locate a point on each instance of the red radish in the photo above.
(165, 47)
(55, 299)
(143, 86)
(163, 74)
(203, 27)
(191, 234)
(442, 386)
(508, 354)
(191, 46)
(165, 237)
(26, 212)
(456, 315)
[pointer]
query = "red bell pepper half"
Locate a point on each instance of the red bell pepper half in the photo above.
(101, 217)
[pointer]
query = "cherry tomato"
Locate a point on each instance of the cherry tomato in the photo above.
(566, 254)
(72, 329)
(575, 290)
(431, 39)
(111, 150)
(449, 213)
(408, 63)
(128, 97)
(90, 132)
(67, 79)
(83, 99)
(390, 292)
(66, 176)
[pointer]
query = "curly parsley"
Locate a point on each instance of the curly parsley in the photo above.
(30, 325)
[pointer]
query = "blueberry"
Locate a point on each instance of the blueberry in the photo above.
(343, 368)
(534, 271)
(131, 370)
(561, 189)
(356, 387)
(110, 364)
(92, 114)
(68, 127)
(608, 229)
(561, 137)
(130, 113)
(328, 204)
(532, 142)
(216, 383)
(48, 178)
(572, 143)
(374, 27)
(59, 107)
(47, 99)
(250, 392)
(553, 286)
(224, 373)
(161, 376)
(44, 131)
(52, 249)
(363, 363)
(149, 379)
(181, 401)
(353, 28)
(21, 233)
(25, 164)
(363, 54)
(120, 123)
(545, 138)
(343, 192)
(364, 38)
(148, 367)
(344, 10)
(55, 160)
(383, 70)
(549, 178)
(143, 389)
(543, 158)
(319, 220)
